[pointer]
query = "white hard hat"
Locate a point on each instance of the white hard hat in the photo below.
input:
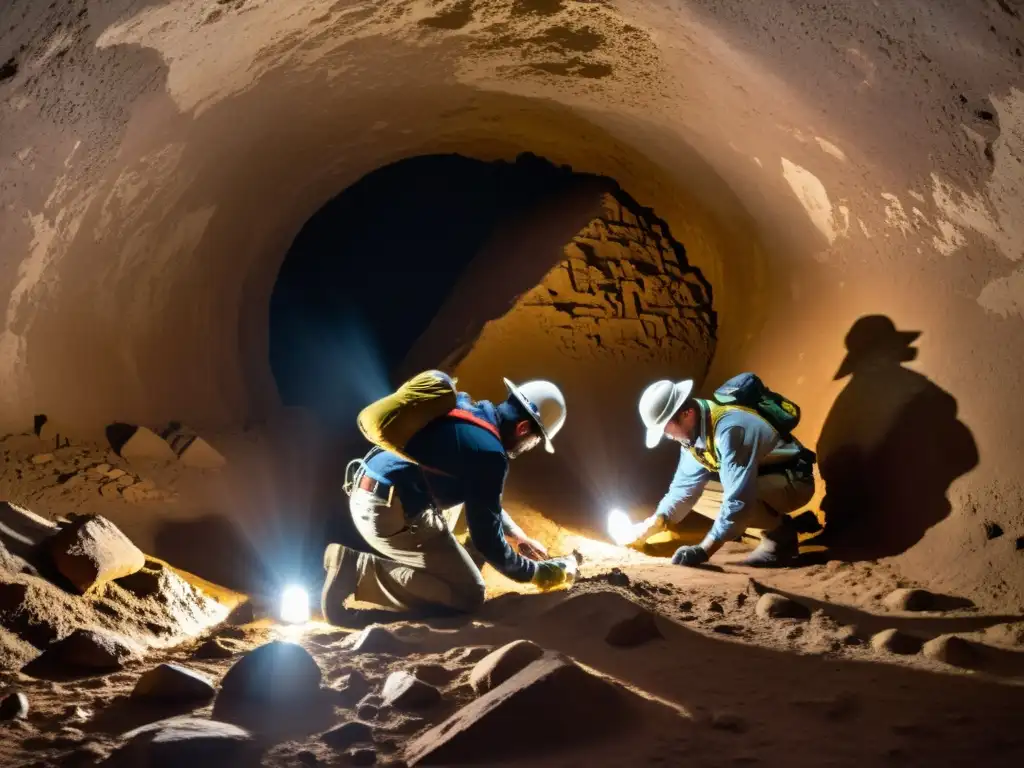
(659, 403)
(545, 403)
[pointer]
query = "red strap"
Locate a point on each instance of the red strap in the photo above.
(465, 415)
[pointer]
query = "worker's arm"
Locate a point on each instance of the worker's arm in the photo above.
(686, 487)
(486, 518)
(518, 538)
(739, 449)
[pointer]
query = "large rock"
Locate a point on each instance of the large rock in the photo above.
(170, 682)
(89, 650)
(275, 672)
(187, 741)
(562, 704)
(894, 641)
(91, 550)
(142, 444)
(501, 664)
(773, 606)
(403, 690)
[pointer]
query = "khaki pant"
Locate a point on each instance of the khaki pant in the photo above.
(423, 564)
(777, 496)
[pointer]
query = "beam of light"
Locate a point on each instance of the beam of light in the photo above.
(294, 605)
(620, 529)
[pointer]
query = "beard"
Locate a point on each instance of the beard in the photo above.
(525, 444)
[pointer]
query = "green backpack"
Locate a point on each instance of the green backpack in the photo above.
(749, 391)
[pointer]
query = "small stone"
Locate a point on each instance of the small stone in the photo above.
(125, 482)
(187, 741)
(848, 636)
(115, 474)
(435, 674)
(773, 606)
(686, 606)
(170, 682)
(993, 530)
(404, 691)
(952, 650)
(727, 721)
(89, 650)
(42, 458)
(364, 756)
(727, 629)
(894, 641)
(14, 707)
(715, 607)
(277, 672)
(909, 600)
(347, 735)
(91, 550)
(617, 578)
(377, 639)
(215, 648)
(629, 633)
(109, 490)
(99, 469)
(501, 664)
(470, 655)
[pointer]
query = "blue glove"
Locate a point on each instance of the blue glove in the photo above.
(690, 556)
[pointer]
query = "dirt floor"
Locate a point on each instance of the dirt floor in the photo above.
(715, 678)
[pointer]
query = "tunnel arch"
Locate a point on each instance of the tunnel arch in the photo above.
(147, 221)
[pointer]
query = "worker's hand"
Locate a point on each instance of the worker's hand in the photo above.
(695, 555)
(643, 530)
(556, 572)
(532, 549)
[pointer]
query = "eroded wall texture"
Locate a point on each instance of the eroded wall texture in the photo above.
(820, 162)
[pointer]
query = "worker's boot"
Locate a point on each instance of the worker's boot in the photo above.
(340, 563)
(779, 547)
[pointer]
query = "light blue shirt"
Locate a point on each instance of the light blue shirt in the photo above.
(743, 443)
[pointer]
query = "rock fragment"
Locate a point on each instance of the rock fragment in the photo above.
(14, 706)
(276, 672)
(187, 741)
(774, 606)
(347, 735)
(377, 639)
(629, 633)
(501, 664)
(468, 655)
(910, 600)
(171, 682)
(91, 650)
(91, 551)
(952, 650)
(894, 641)
(42, 458)
(403, 690)
(215, 648)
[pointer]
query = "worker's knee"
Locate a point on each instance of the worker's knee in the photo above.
(469, 598)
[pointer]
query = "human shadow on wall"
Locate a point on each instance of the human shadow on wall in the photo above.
(889, 449)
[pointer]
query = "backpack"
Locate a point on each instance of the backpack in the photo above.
(391, 422)
(749, 391)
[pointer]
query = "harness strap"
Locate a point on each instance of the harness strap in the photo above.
(472, 418)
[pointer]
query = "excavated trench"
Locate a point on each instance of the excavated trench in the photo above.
(160, 158)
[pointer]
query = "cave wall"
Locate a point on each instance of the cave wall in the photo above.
(820, 162)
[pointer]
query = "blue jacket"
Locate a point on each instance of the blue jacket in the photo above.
(475, 467)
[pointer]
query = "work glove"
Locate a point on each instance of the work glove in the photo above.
(643, 530)
(694, 555)
(556, 572)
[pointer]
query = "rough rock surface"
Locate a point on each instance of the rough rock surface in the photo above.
(86, 649)
(186, 741)
(91, 551)
(348, 734)
(586, 705)
(773, 606)
(403, 690)
(894, 641)
(501, 664)
(171, 682)
(635, 631)
(277, 671)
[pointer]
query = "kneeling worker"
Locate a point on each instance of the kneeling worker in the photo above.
(403, 505)
(735, 467)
